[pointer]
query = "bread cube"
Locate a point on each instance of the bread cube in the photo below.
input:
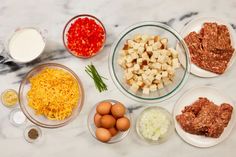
(170, 70)
(156, 38)
(137, 38)
(174, 53)
(147, 72)
(151, 78)
(156, 66)
(139, 61)
(152, 59)
(141, 50)
(156, 54)
(158, 76)
(156, 46)
(144, 38)
(128, 59)
(160, 85)
(175, 63)
(123, 52)
(136, 67)
(136, 46)
(134, 87)
(153, 87)
(149, 48)
(134, 55)
(130, 51)
(146, 90)
(145, 67)
(161, 59)
(150, 42)
(154, 71)
(128, 75)
(166, 81)
(130, 81)
(164, 74)
(130, 43)
(140, 71)
(129, 65)
(164, 42)
(164, 66)
(145, 56)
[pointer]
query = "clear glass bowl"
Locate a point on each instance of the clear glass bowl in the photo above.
(4, 103)
(41, 120)
(174, 40)
(26, 136)
(72, 20)
(92, 128)
(165, 136)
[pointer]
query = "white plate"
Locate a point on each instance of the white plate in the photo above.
(196, 25)
(188, 98)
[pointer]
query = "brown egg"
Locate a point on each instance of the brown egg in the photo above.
(113, 131)
(103, 134)
(104, 108)
(123, 124)
(118, 110)
(108, 121)
(97, 120)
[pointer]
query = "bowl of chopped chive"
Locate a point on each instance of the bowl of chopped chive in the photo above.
(84, 36)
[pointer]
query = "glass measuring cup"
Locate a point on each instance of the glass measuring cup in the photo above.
(5, 53)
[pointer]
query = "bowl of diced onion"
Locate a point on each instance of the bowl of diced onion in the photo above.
(149, 62)
(154, 125)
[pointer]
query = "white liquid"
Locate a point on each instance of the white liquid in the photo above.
(26, 45)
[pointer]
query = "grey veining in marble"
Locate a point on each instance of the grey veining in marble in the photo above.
(75, 139)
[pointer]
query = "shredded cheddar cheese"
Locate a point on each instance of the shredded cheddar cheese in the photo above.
(54, 93)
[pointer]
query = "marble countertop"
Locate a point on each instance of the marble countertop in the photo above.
(75, 139)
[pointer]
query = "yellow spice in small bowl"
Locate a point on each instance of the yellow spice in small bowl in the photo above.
(9, 98)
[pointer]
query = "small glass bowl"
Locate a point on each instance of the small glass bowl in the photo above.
(162, 138)
(150, 28)
(92, 128)
(72, 20)
(9, 106)
(26, 136)
(41, 120)
(17, 117)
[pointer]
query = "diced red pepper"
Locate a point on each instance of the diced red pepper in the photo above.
(85, 37)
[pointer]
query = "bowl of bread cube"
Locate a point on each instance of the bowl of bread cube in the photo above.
(149, 62)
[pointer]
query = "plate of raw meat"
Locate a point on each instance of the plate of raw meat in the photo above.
(211, 43)
(204, 116)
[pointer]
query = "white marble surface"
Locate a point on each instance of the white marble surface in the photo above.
(75, 139)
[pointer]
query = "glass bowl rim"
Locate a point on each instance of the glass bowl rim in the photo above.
(114, 49)
(82, 16)
(125, 133)
(69, 119)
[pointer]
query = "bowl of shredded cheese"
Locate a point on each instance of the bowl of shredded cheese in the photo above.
(154, 125)
(51, 95)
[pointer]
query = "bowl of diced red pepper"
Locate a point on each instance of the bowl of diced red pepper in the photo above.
(84, 36)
